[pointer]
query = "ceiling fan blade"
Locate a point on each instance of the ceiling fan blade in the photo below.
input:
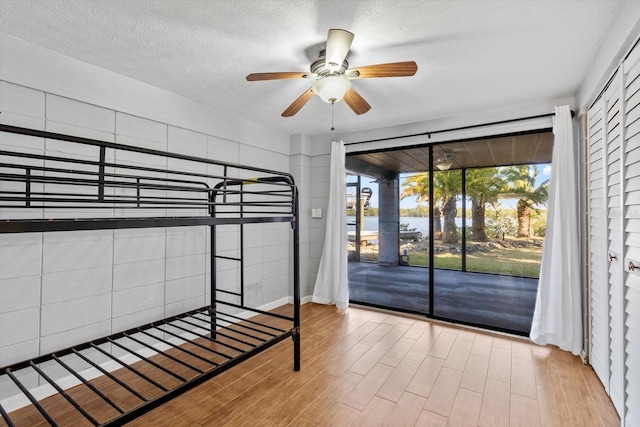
(298, 103)
(275, 76)
(338, 44)
(356, 102)
(393, 69)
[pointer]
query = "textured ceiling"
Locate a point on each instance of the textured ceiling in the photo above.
(471, 55)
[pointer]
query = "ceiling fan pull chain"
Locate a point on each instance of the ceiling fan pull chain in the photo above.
(333, 106)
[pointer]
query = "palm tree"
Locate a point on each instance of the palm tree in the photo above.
(449, 184)
(418, 186)
(521, 184)
(483, 186)
(446, 189)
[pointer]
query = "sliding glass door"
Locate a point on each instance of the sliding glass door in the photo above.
(382, 277)
(468, 234)
(496, 282)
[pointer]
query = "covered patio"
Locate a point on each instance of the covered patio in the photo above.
(496, 301)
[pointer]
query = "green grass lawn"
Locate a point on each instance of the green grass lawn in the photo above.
(515, 262)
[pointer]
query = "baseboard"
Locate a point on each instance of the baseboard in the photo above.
(303, 300)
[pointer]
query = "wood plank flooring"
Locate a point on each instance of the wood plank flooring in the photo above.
(368, 368)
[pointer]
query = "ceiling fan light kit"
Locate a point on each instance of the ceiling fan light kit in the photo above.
(333, 76)
(445, 162)
(332, 88)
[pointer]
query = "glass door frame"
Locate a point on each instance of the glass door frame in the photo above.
(432, 244)
(356, 223)
(431, 309)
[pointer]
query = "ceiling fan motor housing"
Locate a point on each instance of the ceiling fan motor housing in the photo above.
(320, 68)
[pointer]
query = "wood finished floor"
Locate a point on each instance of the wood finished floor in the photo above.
(368, 368)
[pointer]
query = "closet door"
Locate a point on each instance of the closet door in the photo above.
(598, 280)
(614, 235)
(613, 136)
(605, 242)
(631, 204)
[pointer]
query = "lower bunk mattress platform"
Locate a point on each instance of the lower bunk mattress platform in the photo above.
(117, 378)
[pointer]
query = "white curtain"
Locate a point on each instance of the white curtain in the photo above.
(332, 282)
(557, 318)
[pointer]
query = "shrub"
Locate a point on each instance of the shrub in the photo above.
(503, 224)
(539, 223)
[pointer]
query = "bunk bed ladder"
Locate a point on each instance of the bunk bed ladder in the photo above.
(215, 256)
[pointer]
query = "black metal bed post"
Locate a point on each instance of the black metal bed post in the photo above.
(242, 245)
(103, 159)
(296, 281)
(212, 260)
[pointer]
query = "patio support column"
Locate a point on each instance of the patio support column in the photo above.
(388, 218)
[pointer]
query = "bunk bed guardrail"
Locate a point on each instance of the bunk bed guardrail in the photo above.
(85, 184)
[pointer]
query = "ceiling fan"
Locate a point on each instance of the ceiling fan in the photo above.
(333, 76)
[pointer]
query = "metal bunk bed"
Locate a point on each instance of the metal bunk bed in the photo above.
(120, 377)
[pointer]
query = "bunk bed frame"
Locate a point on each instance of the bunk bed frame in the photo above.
(156, 362)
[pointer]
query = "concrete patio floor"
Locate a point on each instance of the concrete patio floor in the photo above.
(490, 300)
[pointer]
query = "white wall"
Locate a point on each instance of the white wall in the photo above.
(310, 163)
(300, 168)
(33, 66)
(57, 289)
